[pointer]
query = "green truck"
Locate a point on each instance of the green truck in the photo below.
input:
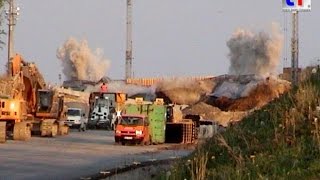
(142, 123)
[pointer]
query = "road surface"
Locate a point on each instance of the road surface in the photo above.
(77, 155)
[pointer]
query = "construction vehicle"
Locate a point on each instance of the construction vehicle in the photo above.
(29, 106)
(142, 123)
(103, 107)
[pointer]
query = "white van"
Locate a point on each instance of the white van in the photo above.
(76, 117)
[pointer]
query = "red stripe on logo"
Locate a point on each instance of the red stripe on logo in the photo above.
(300, 2)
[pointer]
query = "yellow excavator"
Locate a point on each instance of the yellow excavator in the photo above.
(29, 106)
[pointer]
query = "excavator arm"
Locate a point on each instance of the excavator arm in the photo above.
(28, 80)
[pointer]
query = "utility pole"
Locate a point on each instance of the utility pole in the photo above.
(11, 15)
(129, 41)
(295, 48)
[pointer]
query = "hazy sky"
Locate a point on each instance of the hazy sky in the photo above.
(170, 37)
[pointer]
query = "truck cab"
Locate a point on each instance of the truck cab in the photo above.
(132, 129)
(103, 107)
(76, 117)
(101, 112)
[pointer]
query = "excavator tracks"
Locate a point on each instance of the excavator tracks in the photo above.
(63, 129)
(3, 132)
(21, 131)
(49, 128)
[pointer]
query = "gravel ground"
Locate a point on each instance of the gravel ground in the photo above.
(77, 155)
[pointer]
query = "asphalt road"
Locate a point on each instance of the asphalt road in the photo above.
(77, 155)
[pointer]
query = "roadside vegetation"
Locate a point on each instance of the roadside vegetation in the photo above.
(279, 141)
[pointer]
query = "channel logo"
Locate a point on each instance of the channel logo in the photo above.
(296, 5)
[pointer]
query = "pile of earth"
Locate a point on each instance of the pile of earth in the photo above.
(224, 99)
(184, 91)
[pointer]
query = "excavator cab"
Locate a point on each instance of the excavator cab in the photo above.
(44, 101)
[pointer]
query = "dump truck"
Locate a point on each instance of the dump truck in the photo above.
(103, 107)
(142, 123)
(28, 105)
(50, 114)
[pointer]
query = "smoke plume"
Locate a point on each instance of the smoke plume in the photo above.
(255, 53)
(80, 62)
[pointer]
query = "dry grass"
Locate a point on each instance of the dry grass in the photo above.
(198, 165)
(223, 143)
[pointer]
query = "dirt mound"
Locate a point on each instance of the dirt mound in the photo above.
(184, 91)
(210, 112)
(252, 95)
(260, 95)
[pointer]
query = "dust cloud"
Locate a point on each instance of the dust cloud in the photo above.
(122, 87)
(253, 57)
(184, 90)
(255, 53)
(79, 62)
(131, 89)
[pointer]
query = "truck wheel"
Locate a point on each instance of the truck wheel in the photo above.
(149, 141)
(54, 130)
(21, 131)
(67, 129)
(123, 143)
(142, 143)
(3, 133)
(108, 127)
(64, 130)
